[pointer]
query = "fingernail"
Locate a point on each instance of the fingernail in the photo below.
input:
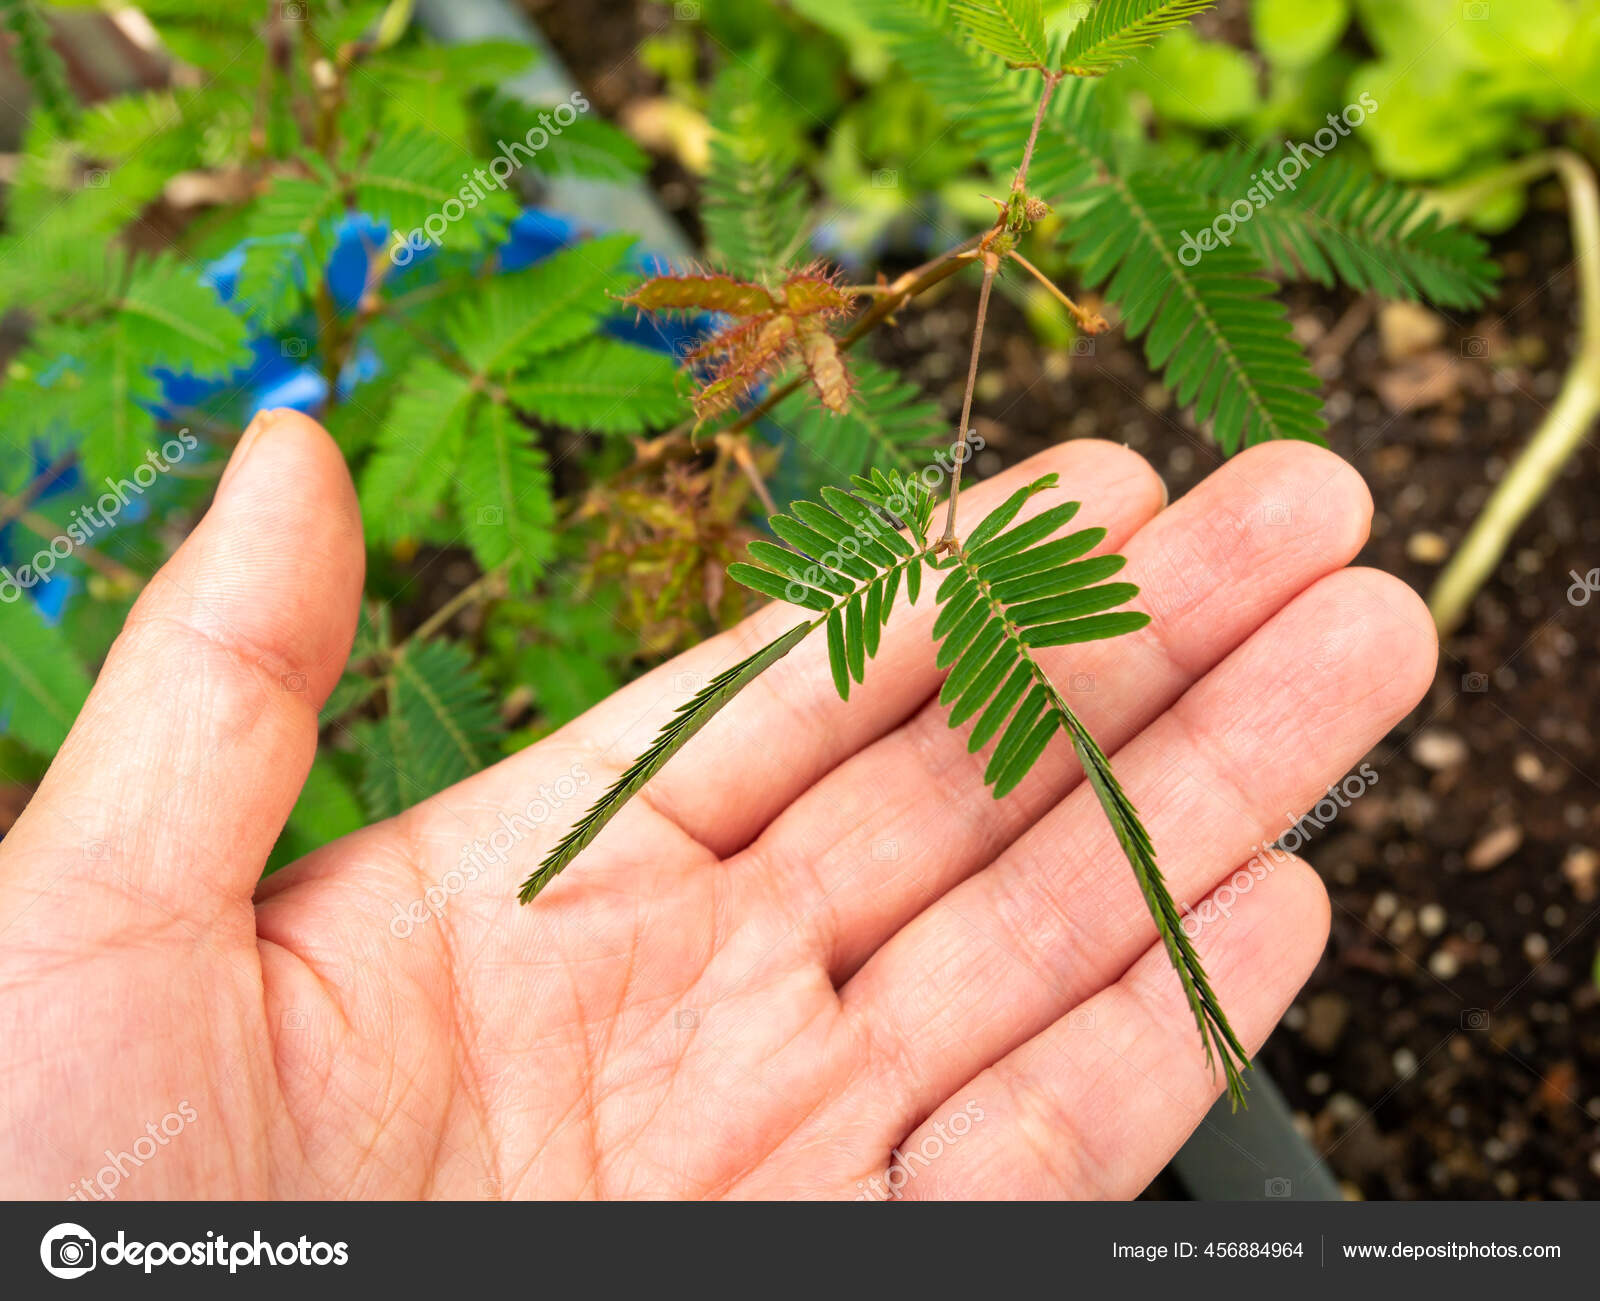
(259, 424)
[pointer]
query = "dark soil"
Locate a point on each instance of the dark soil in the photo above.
(1449, 1043)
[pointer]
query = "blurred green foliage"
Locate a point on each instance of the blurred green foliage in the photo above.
(1462, 86)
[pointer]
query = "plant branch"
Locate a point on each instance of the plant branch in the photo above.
(482, 588)
(1019, 181)
(45, 529)
(18, 506)
(991, 263)
(1089, 322)
(737, 447)
(1566, 423)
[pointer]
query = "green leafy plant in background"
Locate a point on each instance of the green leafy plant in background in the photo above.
(453, 393)
(1528, 73)
(498, 432)
(1021, 98)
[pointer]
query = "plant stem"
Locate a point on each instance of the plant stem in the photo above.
(1568, 420)
(18, 505)
(1021, 178)
(738, 447)
(991, 263)
(104, 565)
(481, 588)
(1089, 322)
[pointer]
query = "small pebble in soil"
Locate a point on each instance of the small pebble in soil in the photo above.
(1437, 749)
(1345, 1109)
(1494, 847)
(1326, 1016)
(1581, 867)
(1427, 548)
(1528, 767)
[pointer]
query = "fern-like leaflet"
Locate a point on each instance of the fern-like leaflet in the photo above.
(690, 717)
(1114, 31)
(1340, 223)
(754, 214)
(1012, 29)
(849, 577)
(441, 726)
(1007, 591)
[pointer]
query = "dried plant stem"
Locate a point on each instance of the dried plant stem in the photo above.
(738, 447)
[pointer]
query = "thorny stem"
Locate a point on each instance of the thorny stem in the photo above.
(888, 299)
(991, 263)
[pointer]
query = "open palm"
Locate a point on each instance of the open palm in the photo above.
(814, 958)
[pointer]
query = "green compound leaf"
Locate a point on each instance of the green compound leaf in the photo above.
(1008, 593)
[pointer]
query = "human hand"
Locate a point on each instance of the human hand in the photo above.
(812, 942)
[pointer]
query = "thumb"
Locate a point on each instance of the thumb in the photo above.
(181, 770)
